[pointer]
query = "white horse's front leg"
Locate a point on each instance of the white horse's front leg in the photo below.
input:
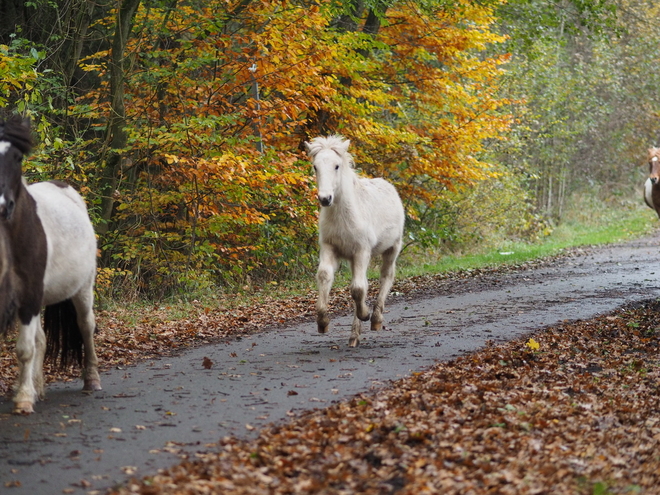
(386, 280)
(328, 264)
(356, 329)
(30, 349)
(359, 289)
(360, 284)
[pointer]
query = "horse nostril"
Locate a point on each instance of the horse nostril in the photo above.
(325, 200)
(654, 180)
(6, 209)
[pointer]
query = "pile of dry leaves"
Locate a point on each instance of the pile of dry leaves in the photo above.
(575, 409)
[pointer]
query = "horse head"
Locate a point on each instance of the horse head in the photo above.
(15, 143)
(654, 165)
(331, 161)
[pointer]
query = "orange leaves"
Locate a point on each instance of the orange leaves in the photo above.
(418, 97)
(211, 87)
(501, 420)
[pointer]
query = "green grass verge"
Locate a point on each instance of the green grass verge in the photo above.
(614, 227)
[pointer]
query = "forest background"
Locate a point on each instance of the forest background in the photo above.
(182, 122)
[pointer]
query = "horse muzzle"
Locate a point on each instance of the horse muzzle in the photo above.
(325, 200)
(6, 208)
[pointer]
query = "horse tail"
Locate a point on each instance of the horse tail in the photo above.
(63, 335)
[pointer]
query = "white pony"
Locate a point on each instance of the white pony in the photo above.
(359, 218)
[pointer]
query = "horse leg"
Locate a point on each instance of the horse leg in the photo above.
(386, 280)
(38, 362)
(360, 284)
(30, 348)
(328, 264)
(359, 288)
(87, 324)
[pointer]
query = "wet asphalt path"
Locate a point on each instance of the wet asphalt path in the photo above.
(147, 414)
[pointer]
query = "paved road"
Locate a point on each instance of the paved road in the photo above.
(145, 414)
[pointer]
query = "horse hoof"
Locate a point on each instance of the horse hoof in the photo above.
(353, 342)
(23, 408)
(376, 325)
(92, 385)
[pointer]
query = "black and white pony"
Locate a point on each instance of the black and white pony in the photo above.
(47, 258)
(359, 218)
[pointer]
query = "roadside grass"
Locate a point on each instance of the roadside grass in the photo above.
(612, 227)
(587, 230)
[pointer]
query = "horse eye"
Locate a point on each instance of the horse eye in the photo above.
(336, 167)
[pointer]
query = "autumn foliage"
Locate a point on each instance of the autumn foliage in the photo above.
(213, 184)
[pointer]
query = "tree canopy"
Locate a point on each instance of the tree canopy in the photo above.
(183, 122)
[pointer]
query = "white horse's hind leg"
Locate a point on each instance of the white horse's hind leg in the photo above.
(30, 349)
(328, 264)
(87, 324)
(386, 280)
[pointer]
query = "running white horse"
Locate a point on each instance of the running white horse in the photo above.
(359, 218)
(47, 258)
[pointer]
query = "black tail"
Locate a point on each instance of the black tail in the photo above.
(63, 336)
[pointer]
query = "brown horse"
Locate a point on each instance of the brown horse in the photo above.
(652, 185)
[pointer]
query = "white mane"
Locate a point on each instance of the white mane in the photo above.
(336, 143)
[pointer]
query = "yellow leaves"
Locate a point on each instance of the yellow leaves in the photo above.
(418, 99)
(532, 345)
(17, 77)
(171, 159)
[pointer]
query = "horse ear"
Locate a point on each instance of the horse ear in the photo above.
(17, 131)
(345, 144)
(308, 148)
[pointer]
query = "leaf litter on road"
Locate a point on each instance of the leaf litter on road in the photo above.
(572, 409)
(577, 411)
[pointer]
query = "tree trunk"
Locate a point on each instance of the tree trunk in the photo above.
(116, 127)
